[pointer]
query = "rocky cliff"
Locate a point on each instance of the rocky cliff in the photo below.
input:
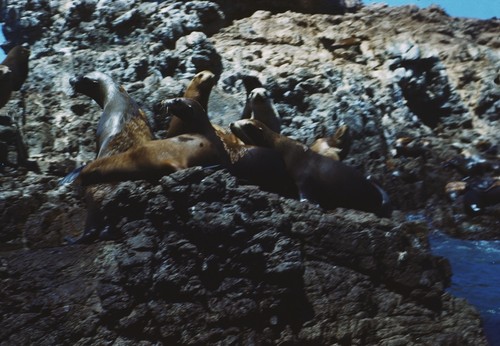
(204, 258)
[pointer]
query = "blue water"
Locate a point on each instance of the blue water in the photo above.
(476, 276)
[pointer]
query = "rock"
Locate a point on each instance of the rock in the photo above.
(202, 258)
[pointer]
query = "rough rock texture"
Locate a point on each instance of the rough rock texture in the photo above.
(205, 259)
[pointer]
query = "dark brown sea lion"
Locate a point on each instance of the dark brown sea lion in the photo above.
(17, 61)
(5, 84)
(122, 124)
(13, 72)
(199, 89)
(336, 146)
(250, 83)
(319, 179)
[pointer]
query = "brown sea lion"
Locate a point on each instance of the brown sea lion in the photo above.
(204, 147)
(260, 106)
(122, 124)
(199, 89)
(17, 61)
(156, 158)
(319, 179)
(336, 146)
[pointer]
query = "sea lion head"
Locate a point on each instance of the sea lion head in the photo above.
(253, 132)
(189, 111)
(205, 80)
(94, 84)
(251, 82)
(259, 96)
(19, 53)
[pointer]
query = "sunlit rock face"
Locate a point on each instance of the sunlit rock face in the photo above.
(201, 257)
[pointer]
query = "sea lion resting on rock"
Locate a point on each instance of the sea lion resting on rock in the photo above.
(13, 72)
(156, 158)
(122, 124)
(203, 147)
(319, 179)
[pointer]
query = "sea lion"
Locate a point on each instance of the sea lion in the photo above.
(17, 61)
(477, 194)
(122, 124)
(5, 84)
(319, 179)
(13, 72)
(156, 158)
(260, 106)
(199, 89)
(204, 147)
(250, 83)
(336, 146)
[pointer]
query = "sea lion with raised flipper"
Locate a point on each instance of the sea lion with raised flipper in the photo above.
(336, 146)
(319, 179)
(199, 89)
(122, 124)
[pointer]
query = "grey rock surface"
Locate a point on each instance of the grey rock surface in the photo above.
(203, 258)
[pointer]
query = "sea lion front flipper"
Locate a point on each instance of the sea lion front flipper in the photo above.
(247, 111)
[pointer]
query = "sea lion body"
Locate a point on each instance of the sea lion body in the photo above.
(199, 89)
(156, 158)
(318, 178)
(13, 72)
(152, 160)
(17, 60)
(5, 84)
(122, 124)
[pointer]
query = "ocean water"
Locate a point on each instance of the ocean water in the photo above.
(476, 276)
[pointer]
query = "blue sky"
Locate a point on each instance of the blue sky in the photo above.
(483, 9)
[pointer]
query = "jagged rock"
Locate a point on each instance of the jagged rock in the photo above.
(204, 259)
(201, 257)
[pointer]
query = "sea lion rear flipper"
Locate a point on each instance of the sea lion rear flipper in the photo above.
(72, 176)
